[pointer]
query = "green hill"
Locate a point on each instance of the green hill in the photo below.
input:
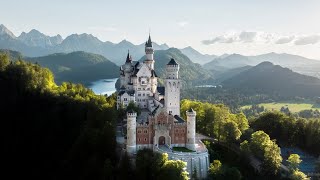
(14, 55)
(78, 66)
(274, 79)
(189, 72)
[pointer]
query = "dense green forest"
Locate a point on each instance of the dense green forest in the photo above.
(234, 131)
(50, 131)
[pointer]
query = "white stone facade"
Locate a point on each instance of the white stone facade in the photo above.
(159, 126)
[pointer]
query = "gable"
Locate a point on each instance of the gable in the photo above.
(144, 71)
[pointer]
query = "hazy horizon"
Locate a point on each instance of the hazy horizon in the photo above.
(211, 27)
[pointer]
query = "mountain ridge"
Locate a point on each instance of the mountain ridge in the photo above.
(269, 78)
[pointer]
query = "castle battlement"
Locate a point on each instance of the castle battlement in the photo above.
(142, 125)
(133, 114)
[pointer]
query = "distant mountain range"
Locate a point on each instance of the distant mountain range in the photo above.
(296, 63)
(274, 79)
(35, 43)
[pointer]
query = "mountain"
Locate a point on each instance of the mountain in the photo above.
(36, 38)
(196, 56)
(35, 43)
(296, 63)
(229, 62)
(9, 41)
(222, 76)
(189, 72)
(79, 67)
(4, 31)
(274, 79)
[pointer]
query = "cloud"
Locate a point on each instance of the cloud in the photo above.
(233, 37)
(304, 40)
(262, 37)
(183, 23)
(247, 36)
(104, 29)
(284, 40)
(220, 39)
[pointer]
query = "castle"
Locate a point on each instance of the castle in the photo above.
(159, 125)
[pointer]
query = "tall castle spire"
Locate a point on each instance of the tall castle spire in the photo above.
(129, 59)
(149, 42)
(149, 53)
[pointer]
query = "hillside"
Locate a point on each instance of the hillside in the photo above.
(274, 79)
(78, 66)
(189, 72)
(196, 56)
(296, 63)
(14, 55)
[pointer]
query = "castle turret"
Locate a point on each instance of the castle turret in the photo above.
(131, 131)
(149, 53)
(172, 88)
(191, 129)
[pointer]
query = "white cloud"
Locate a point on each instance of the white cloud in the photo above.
(183, 23)
(284, 40)
(247, 36)
(262, 37)
(304, 40)
(102, 29)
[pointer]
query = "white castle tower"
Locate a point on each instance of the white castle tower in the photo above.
(191, 129)
(172, 88)
(131, 131)
(149, 54)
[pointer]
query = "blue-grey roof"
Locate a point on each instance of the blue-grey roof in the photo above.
(129, 59)
(149, 42)
(172, 62)
(180, 120)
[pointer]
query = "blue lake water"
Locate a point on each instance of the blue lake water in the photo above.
(104, 86)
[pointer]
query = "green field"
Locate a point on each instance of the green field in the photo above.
(293, 107)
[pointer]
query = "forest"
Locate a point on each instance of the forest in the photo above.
(65, 131)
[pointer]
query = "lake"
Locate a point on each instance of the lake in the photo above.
(104, 86)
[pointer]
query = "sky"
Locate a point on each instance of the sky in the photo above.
(247, 27)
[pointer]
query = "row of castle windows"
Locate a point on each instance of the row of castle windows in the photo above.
(181, 130)
(145, 131)
(143, 88)
(139, 139)
(144, 94)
